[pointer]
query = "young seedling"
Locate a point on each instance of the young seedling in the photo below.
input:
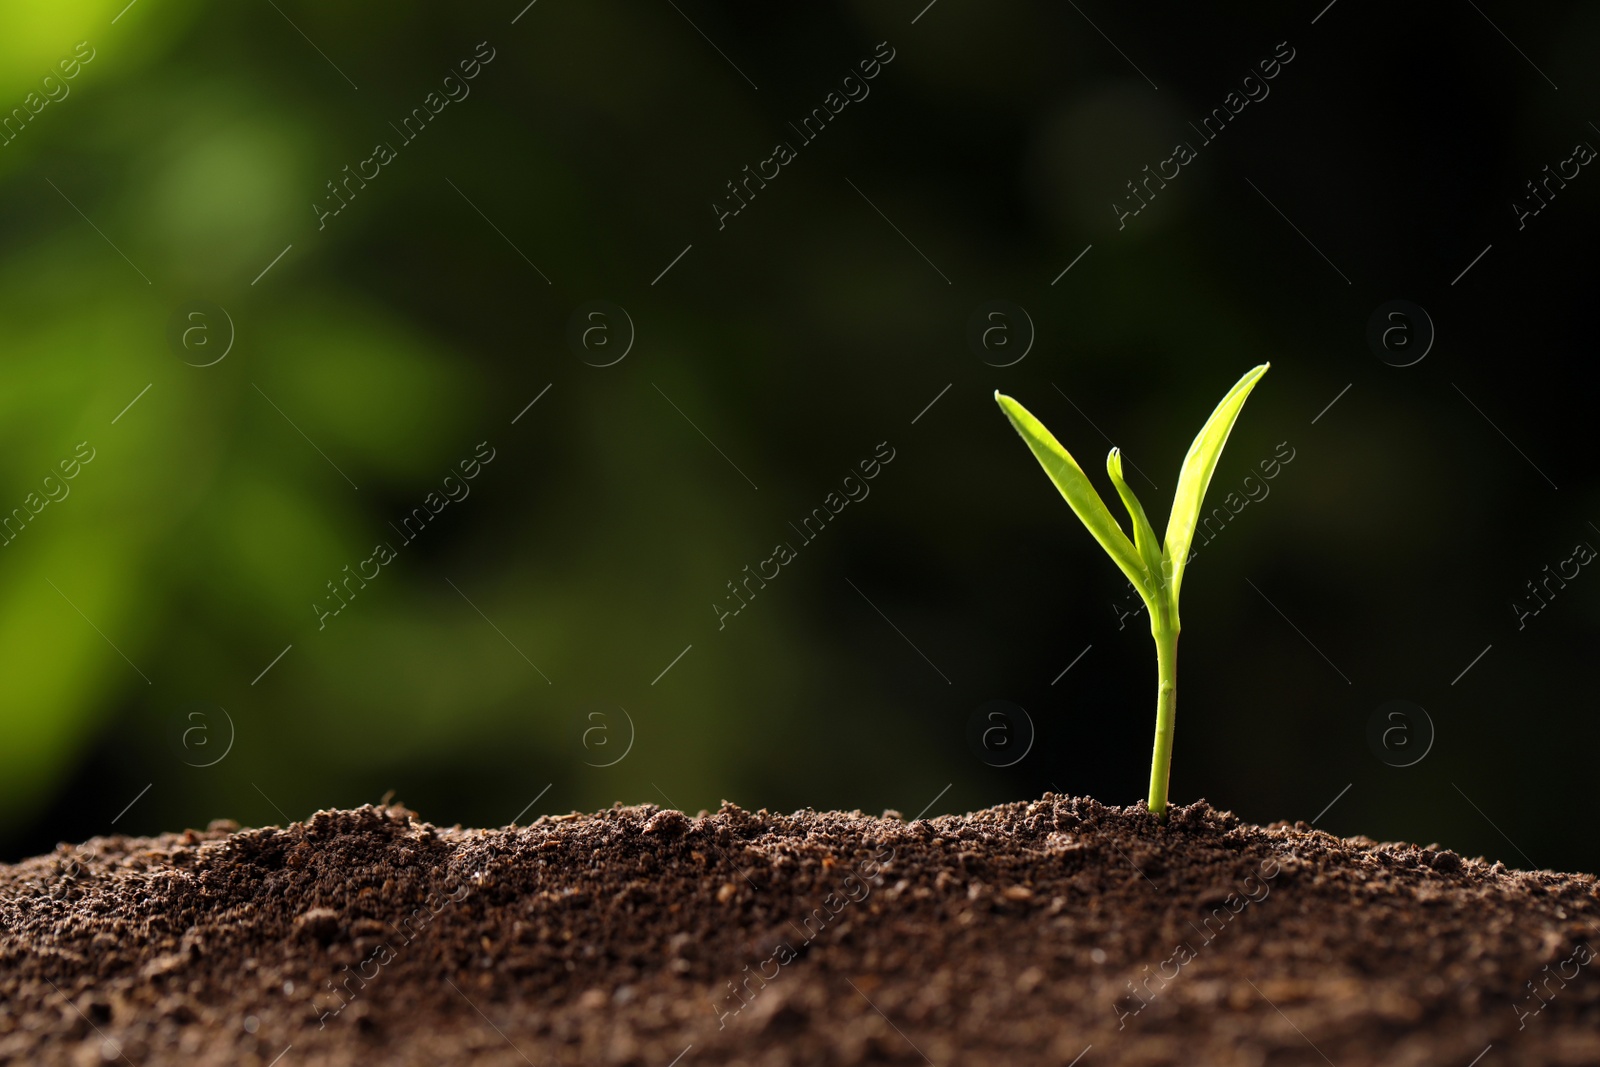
(1156, 569)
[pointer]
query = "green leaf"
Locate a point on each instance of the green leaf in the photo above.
(1195, 475)
(1074, 486)
(1144, 536)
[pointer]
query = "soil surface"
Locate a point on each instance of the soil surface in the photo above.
(1056, 932)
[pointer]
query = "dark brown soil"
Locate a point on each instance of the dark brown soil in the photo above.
(1028, 933)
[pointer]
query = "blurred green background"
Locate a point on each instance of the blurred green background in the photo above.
(142, 611)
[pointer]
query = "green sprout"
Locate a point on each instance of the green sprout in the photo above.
(1156, 570)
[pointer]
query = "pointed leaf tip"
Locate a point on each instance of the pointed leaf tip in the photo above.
(1195, 475)
(1076, 489)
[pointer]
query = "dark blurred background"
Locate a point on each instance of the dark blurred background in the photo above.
(1351, 653)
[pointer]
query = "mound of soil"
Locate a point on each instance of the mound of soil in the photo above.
(1056, 932)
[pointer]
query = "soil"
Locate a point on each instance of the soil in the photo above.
(1052, 932)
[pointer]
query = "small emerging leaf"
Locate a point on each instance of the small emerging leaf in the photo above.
(1144, 535)
(1195, 475)
(1074, 486)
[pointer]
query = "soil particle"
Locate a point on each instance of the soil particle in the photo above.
(318, 923)
(1030, 933)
